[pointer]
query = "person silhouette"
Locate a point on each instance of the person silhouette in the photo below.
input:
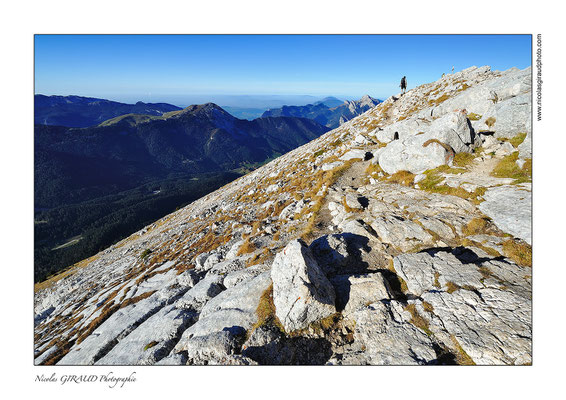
(403, 84)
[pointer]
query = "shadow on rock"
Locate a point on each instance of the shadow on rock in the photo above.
(339, 254)
(268, 346)
(463, 254)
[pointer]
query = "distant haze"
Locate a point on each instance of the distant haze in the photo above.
(260, 101)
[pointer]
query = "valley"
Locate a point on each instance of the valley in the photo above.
(106, 181)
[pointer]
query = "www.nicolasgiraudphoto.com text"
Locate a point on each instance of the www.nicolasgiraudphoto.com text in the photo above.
(539, 77)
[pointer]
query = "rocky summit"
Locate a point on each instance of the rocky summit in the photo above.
(401, 237)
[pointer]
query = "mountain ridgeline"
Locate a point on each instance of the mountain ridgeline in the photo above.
(326, 112)
(80, 112)
(103, 182)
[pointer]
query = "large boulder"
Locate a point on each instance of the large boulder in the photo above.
(400, 232)
(402, 129)
(509, 207)
(415, 154)
(237, 277)
(472, 304)
(452, 129)
(244, 297)
(477, 100)
(513, 83)
(213, 348)
(510, 117)
(431, 148)
(301, 292)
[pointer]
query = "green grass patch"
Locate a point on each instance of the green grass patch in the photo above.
(517, 140)
(150, 345)
(319, 153)
(145, 253)
(508, 168)
(474, 117)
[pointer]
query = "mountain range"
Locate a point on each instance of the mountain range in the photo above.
(330, 112)
(80, 112)
(138, 164)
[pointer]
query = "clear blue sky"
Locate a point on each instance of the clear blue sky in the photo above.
(167, 67)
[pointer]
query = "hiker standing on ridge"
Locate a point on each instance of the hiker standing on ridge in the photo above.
(403, 84)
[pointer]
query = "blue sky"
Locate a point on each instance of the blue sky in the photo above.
(173, 68)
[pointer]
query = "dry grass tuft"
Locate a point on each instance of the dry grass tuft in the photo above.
(405, 178)
(489, 250)
(373, 170)
(150, 345)
(428, 307)
(418, 320)
(519, 252)
(451, 287)
(326, 180)
(463, 160)
(436, 283)
(462, 358)
(402, 284)
(266, 311)
(476, 226)
(247, 247)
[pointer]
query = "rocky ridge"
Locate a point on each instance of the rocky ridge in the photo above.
(327, 114)
(401, 237)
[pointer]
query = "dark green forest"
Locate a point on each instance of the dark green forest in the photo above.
(94, 186)
(106, 220)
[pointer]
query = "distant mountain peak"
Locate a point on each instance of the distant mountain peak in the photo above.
(210, 110)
